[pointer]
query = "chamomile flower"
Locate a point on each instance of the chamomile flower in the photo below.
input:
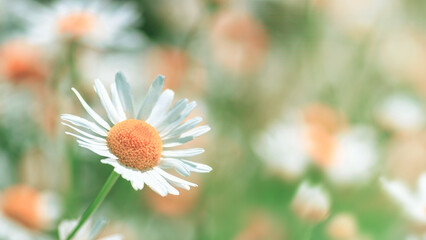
(138, 144)
(95, 23)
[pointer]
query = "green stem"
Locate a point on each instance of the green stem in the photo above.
(72, 62)
(96, 203)
(308, 232)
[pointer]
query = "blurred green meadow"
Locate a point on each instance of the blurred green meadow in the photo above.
(330, 92)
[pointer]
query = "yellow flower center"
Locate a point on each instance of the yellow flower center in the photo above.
(77, 24)
(136, 144)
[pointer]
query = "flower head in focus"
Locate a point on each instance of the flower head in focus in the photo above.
(311, 203)
(412, 203)
(88, 231)
(95, 23)
(139, 144)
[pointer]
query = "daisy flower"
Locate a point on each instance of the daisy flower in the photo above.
(413, 203)
(139, 144)
(88, 231)
(95, 23)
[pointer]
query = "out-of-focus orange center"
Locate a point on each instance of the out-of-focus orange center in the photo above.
(77, 24)
(136, 144)
(321, 145)
(323, 123)
(21, 204)
(20, 61)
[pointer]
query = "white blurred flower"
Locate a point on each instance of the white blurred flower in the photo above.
(311, 203)
(346, 155)
(283, 148)
(87, 231)
(25, 211)
(354, 156)
(342, 226)
(412, 203)
(30, 207)
(95, 23)
(10, 230)
(401, 113)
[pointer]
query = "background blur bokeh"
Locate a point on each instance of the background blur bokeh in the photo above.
(330, 92)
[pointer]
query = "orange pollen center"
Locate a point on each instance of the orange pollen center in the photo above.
(77, 24)
(136, 144)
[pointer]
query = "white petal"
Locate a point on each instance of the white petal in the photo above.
(123, 89)
(161, 107)
(399, 192)
(87, 140)
(175, 180)
(81, 122)
(113, 237)
(177, 164)
(162, 181)
(184, 167)
(117, 103)
(198, 167)
(183, 115)
(183, 153)
(106, 102)
(171, 115)
(138, 178)
(169, 124)
(97, 151)
(151, 98)
(135, 177)
(154, 184)
(176, 141)
(86, 134)
(94, 146)
(188, 125)
(196, 132)
(90, 111)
